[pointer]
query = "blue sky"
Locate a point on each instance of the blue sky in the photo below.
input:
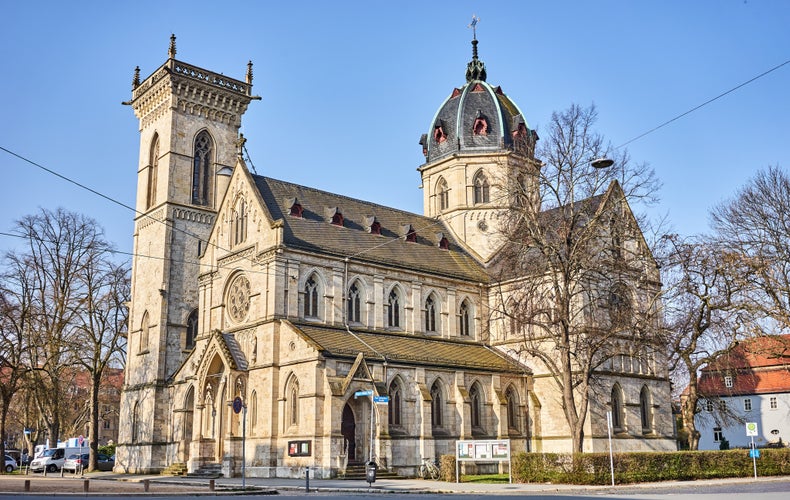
(348, 87)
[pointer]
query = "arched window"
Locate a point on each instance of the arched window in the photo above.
(620, 309)
(192, 330)
(476, 402)
(136, 422)
(512, 408)
(437, 405)
(645, 410)
(464, 322)
(153, 165)
(393, 309)
(292, 402)
(395, 406)
(253, 406)
(144, 333)
(238, 223)
(201, 172)
(443, 194)
(618, 417)
(430, 314)
(311, 298)
(354, 303)
(481, 188)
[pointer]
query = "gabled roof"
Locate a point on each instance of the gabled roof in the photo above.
(757, 366)
(335, 342)
(314, 232)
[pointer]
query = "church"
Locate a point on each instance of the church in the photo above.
(280, 327)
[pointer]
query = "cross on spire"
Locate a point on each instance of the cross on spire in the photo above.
(473, 25)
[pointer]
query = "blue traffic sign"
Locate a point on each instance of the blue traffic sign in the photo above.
(381, 399)
(360, 394)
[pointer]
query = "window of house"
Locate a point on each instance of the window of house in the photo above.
(430, 314)
(722, 405)
(708, 405)
(311, 298)
(354, 303)
(717, 434)
(443, 194)
(395, 404)
(201, 172)
(437, 405)
(192, 330)
(747, 404)
(393, 309)
(727, 381)
(481, 188)
(463, 317)
(645, 409)
(153, 167)
(772, 403)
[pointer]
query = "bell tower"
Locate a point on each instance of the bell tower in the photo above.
(189, 134)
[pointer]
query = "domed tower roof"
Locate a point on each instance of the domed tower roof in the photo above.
(477, 118)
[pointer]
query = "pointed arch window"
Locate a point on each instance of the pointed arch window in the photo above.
(476, 402)
(618, 417)
(192, 330)
(464, 321)
(394, 309)
(136, 422)
(620, 308)
(512, 408)
(145, 332)
(645, 410)
(481, 188)
(430, 314)
(292, 402)
(437, 405)
(443, 194)
(153, 167)
(253, 404)
(354, 305)
(311, 298)
(201, 169)
(395, 406)
(238, 223)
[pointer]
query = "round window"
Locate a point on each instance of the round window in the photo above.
(239, 298)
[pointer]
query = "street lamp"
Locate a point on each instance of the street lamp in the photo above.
(602, 162)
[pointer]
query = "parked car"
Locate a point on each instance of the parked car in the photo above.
(10, 463)
(75, 462)
(52, 459)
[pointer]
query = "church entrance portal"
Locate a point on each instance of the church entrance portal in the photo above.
(348, 428)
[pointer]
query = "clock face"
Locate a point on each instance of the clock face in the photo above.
(239, 298)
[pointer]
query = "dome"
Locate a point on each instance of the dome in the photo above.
(477, 118)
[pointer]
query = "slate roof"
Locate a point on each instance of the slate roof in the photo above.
(313, 232)
(336, 342)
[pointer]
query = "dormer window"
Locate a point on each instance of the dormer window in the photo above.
(444, 243)
(295, 208)
(372, 225)
(480, 126)
(334, 216)
(439, 135)
(408, 233)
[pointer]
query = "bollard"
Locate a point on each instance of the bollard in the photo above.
(27, 485)
(307, 479)
(211, 485)
(86, 485)
(146, 485)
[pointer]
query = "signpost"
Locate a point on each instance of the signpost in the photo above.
(751, 431)
(609, 432)
(80, 441)
(364, 394)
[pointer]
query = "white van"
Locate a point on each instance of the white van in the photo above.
(52, 459)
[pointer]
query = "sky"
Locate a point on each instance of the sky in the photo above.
(348, 87)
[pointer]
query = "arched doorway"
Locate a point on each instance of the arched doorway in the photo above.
(348, 428)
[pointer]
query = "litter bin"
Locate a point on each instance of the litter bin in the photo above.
(370, 472)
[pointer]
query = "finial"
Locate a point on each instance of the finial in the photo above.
(249, 72)
(240, 145)
(136, 79)
(475, 70)
(171, 52)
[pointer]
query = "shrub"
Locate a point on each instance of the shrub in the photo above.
(447, 468)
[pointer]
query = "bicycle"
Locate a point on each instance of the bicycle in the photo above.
(429, 469)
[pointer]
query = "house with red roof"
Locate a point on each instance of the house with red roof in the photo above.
(750, 383)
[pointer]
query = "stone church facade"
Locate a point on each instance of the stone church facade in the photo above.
(304, 305)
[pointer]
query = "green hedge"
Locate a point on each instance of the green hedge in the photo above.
(593, 468)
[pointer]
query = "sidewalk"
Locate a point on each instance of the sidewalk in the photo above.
(124, 484)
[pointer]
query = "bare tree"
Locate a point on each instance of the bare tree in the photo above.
(58, 248)
(591, 283)
(704, 318)
(755, 226)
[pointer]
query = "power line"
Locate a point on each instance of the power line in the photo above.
(703, 104)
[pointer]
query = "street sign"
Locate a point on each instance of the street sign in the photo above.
(754, 453)
(81, 440)
(360, 394)
(751, 428)
(237, 404)
(381, 399)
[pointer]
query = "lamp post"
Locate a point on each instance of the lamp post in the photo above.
(602, 162)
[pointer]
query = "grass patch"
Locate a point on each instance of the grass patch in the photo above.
(486, 478)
